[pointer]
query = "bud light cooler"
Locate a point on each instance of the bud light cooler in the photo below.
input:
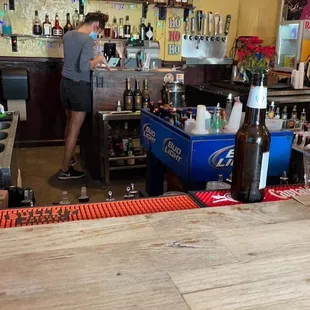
(199, 159)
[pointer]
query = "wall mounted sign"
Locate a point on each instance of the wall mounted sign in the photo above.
(174, 35)
(296, 9)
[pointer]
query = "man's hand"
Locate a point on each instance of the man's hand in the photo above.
(104, 61)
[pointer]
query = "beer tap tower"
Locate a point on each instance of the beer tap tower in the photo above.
(209, 44)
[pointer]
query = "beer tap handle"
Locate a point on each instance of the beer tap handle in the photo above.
(193, 26)
(199, 21)
(221, 25)
(205, 24)
(216, 23)
(227, 24)
(211, 21)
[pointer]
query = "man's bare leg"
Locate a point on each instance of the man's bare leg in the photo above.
(68, 117)
(75, 124)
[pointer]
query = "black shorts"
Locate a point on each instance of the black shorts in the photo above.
(75, 95)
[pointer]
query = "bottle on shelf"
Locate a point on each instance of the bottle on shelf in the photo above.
(121, 29)
(6, 21)
(137, 95)
(68, 26)
(37, 28)
(119, 107)
(271, 111)
(47, 26)
(145, 95)
(114, 29)
(142, 29)
(128, 96)
(149, 32)
(303, 120)
(284, 118)
(75, 19)
(57, 31)
(107, 31)
(130, 161)
(127, 28)
(252, 147)
(135, 34)
(293, 120)
(277, 114)
(81, 19)
(125, 139)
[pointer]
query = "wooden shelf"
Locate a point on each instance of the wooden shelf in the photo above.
(184, 7)
(130, 1)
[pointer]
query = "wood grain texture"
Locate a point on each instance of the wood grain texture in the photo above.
(243, 257)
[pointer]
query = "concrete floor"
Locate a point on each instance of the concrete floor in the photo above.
(39, 167)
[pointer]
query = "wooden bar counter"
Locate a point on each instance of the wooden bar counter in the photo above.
(242, 257)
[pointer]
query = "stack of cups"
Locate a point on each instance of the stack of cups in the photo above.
(200, 128)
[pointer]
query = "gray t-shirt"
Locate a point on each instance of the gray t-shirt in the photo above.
(78, 52)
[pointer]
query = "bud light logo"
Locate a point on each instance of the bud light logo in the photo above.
(148, 133)
(223, 158)
(172, 150)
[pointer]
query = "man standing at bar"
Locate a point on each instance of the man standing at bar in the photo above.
(75, 87)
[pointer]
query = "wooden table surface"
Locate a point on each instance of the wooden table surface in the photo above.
(243, 257)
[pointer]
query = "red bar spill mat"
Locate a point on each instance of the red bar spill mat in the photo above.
(57, 214)
(223, 198)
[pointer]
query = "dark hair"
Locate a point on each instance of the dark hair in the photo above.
(96, 17)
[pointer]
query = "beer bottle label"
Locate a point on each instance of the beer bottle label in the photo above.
(257, 97)
(264, 171)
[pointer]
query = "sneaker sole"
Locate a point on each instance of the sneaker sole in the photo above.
(71, 178)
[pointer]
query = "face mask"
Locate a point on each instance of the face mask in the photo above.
(93, 35)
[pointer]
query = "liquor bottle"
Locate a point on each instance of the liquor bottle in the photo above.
(107, 31)
(149, 32)
(47, 26)
(131, 161)
(114, 29)
(37, 28)
(57, 31)
(128, 96)
(137, 95)
(127, 28)
(142, 30)
(145, 95)
(135, 33)
(75, 19)
(292, 121)
(68, 26)
(121, 29)
(6, 22)
(271, 110)
(228, 108)
(252, 147)
(277, 114)
(284, 118)
(303, 124)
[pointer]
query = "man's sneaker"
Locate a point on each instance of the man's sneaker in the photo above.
(72, 162)
(71, 174)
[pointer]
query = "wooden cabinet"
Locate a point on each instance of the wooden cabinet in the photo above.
(45, 114)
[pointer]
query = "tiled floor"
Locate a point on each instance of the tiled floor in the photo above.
(39, 167)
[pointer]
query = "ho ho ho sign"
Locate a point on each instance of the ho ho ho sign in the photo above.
(174, 35)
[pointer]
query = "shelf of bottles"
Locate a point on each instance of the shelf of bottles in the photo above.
(124, 149)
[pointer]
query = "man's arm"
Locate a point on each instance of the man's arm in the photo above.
(87, 61)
